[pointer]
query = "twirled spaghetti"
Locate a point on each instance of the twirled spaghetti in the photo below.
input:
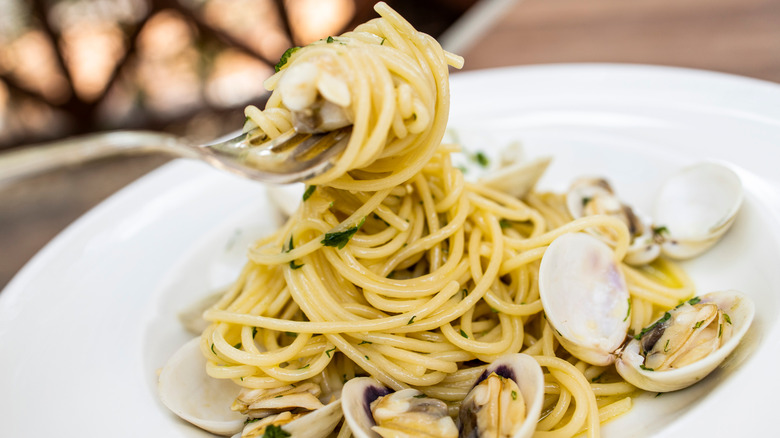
(395, 266)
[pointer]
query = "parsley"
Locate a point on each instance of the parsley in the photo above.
(514, 395)
(330, 39)
(254, 332)
(411, 320)
(664, 318)
(251, 420)
(291, 334)
(658, 395)
(694, 300)
(698, 324)
(462, 333)
(595, 379)
(629, 309)
(304, 367)
(237, 346)
(308, 192)
(586, 200)
(720, 329)
(365, 342)
(366, 357)
(658, 231)
(666, 346)
(646, 368)
(505, 223)
(727, 317)
(329, 351)
(285, 57)
(279, 396)
(273, 431)
(212, 350)
(481, 159)
(339, 239)
(382, 43)
(290, 247)
(420, 396)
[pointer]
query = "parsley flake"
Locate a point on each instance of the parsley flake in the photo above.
(285, 57)
(411, 320)
(329, 40)
(646, 368)
(514, 395)
(274, 431)
(481, 159)
(462, 333)
(329, 351)
(727, 317)
(629, 309)
(339, 239)
(309, 190)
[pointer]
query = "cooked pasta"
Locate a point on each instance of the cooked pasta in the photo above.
(395, 266)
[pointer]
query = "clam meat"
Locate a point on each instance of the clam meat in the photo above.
(587, 304)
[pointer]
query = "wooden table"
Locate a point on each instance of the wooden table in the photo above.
(733, 36)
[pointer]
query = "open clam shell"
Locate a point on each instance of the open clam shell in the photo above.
(527, 375)
(586, 302)
(738, 310)
(696, 206)
(190, 393)
(585, 297)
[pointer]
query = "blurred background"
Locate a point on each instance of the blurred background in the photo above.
(189, 67)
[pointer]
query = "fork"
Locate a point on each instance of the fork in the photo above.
(290, 157)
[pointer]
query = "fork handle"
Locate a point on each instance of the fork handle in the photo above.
(36, 159)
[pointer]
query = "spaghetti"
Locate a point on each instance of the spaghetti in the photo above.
(395, 266)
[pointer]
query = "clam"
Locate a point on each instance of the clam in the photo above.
(223, 408)
(586, 302)
(190, 393)
(693, 209)
(506, 401)
(317, 94)
(516, 178)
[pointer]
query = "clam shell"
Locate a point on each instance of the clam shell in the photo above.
(527, 373)
(740, 309)
(585, 297)
(697, 206)
(204, 401)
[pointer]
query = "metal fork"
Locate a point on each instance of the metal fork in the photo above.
(290, 157)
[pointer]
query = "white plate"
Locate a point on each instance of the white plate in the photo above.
(86, 324)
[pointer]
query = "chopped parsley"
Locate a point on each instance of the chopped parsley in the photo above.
(462, 333)
(251, 420)
(505, 223)
(212, 350)
(660, 230)
(304, 367)
(290, 247)
(666, 346)
(365, 342)
(329, 351)
(664, 318)
(382, 43)
(254, 332)
(694, 300)
(237, 346)
(274, 431)
(698, 324)
(720, 329)
(329, 40)
(309, 190)
(629, 309)
(727, 317)
(481, 159)
(646, 368)
(411, 320)
(339, 239)
(586, 200)
(291, 334)
(285, 57)
(514, 395)
(420, 396)
(595, 379)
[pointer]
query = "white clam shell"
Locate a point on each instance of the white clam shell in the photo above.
(527, 373)
(697, 206)
(204, 401)
(517, 178)
(585, 297)
(356, 396)
(740, 310)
